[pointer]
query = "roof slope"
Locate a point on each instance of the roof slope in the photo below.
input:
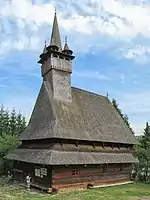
(87, 117)
(51, 157)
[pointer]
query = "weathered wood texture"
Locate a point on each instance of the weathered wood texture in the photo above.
(21, 170)
(63, 176)
(67, 145)
(91, 174)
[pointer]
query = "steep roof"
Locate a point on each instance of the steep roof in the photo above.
(55, 36)
(88, 117)
(49, 157)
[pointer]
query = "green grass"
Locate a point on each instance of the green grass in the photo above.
(123, 192)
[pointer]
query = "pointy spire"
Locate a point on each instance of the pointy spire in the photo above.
(66, 48)
(45, 48)
(43, 54)
(55, 37)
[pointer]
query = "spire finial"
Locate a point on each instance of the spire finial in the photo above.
(66, 39)
(55, 36)
(45, 43)
(66, 47)
(55, 10)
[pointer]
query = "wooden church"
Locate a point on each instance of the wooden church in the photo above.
(74, 137)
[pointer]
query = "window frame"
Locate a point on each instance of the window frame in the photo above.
(75, 171)
(41, 173)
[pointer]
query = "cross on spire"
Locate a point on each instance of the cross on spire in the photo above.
(65, 39)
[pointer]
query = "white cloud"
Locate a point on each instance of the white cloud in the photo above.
(23, 43)
(84, 23)
(140, 53)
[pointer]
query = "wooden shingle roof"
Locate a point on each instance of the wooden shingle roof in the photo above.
(51, 157)
(88, 117)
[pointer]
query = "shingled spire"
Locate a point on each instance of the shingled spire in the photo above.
(45, 48)
(66, 48)
(57, 66)
(55, 36)
(43, 55)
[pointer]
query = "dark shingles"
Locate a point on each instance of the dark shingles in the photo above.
(51, 157)
(88, 117)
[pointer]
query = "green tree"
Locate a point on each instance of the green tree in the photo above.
(11, 125)
(20, 123)
(6, 120)
(143, 154)
(114, 103)
(7, 143)
(124, 116)
(2, 112)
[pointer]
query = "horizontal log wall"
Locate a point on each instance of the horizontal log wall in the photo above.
(72, 145)
(63, 176)
(21, 170)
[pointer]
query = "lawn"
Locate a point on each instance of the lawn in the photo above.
(124, 192)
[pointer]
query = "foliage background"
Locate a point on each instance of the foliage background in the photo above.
(11, 125)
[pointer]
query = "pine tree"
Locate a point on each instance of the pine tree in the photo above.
(1, 118)
(147, 131)
(13, 124)
(124, 116)
(146, 137)
(6, 120)
(20, 123)
(114, 103)
(143, 153)
(126, 119)
(23, 124)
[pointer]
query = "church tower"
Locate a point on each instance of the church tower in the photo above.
(57, 65)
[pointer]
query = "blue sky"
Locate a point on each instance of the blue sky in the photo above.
(110, 39)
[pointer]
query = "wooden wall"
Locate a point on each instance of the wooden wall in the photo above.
(21, 169)
(62, 176)
(73, 145)
(91, 174)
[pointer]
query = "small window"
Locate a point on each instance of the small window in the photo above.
(40, 172)
(75, 171)
(37, 172)
(43, 171)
